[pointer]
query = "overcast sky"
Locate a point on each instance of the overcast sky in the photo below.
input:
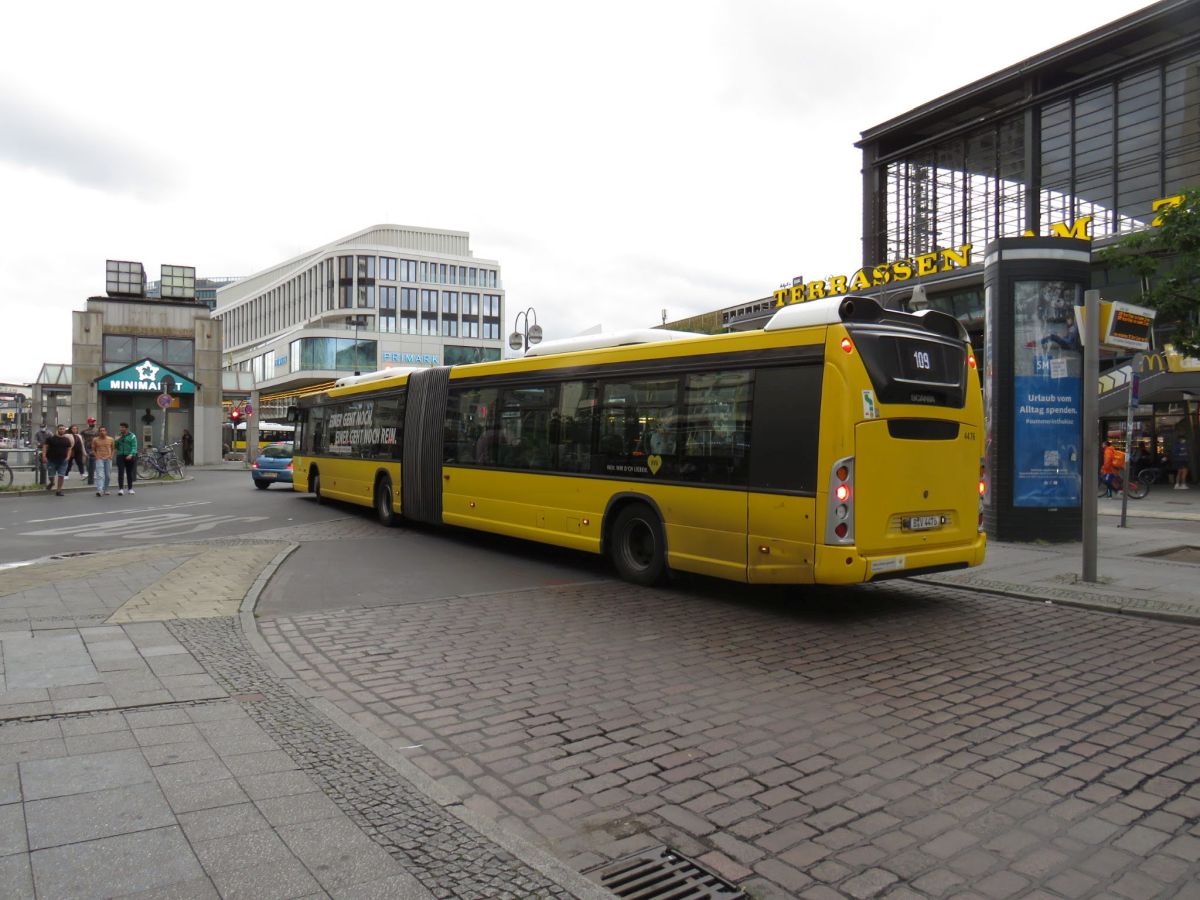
(617, 159)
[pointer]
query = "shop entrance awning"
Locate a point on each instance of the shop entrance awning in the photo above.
(1166, 377)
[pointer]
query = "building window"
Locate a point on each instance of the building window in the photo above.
(366, 295)
(491, 317)
(408, 310)
(180, 352)
(424, 271)
(118, 348)
(442, 273)
(387, 309)
(429, 312)
(387, 268)
(470, 315)
(408, 270)
(345, 296)
(366, 267)
(346, 268)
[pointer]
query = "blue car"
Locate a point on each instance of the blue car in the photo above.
(274, 464)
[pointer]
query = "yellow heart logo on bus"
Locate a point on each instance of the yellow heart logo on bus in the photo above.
(655, 463)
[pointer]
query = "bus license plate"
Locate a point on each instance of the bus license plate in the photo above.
(922, 523)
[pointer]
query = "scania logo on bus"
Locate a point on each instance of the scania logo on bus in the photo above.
(922, 398)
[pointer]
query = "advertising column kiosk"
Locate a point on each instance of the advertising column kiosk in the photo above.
(1033, 388)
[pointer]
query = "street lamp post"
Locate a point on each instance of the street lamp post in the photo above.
(523, 338)
(358, 323)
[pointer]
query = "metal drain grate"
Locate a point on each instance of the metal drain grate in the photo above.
(662, 874)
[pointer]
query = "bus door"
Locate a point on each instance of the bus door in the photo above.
(783, 474)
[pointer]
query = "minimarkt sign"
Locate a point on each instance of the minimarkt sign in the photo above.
(147, 376)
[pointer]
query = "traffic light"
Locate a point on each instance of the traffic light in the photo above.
(235, 415)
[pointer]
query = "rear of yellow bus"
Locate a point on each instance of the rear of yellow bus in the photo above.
(901, 474)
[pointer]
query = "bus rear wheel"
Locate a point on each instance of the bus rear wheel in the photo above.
(314, 485)
(638, 548)
(384, 510)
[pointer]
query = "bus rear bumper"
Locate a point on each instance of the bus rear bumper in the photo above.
(845, 565)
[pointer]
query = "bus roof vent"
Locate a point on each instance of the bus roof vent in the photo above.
(851, 308)
(608, 339)
(351, 380)
(826, 311)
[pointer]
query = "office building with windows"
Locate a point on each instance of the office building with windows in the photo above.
(389, 295)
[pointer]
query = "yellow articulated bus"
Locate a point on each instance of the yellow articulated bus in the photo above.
(268, 433)
(842, 443)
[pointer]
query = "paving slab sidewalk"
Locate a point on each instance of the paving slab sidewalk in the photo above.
(1137, 571)
(161, 758)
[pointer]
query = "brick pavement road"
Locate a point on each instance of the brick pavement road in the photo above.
(897, 740)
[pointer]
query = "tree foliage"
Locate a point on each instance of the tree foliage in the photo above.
(1166, 259)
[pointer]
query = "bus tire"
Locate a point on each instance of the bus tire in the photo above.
(637, 548)
(314, 485)
(384, 511)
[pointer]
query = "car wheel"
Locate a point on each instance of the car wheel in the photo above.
(260, 484)
(314, 485)
(638, 550)
(383, 502)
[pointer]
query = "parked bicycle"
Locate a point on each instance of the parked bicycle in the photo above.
(1150, 475)
(6, 473)
(160, 462)
(1135, 490)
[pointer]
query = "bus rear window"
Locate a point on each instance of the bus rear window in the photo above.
(913, 367)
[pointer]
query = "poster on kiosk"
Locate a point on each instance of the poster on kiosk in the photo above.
(1047, 400)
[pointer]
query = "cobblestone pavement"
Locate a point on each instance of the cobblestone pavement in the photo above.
(898, 740)
(445, 855)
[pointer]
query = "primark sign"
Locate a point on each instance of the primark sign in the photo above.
(147, 376)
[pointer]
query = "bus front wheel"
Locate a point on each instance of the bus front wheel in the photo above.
(638, 548)
(384, 510)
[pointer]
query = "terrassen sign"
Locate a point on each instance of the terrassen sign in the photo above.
(876, 276)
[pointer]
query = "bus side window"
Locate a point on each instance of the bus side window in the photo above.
(716, 437)
(316, 419)
(470, 433)
(570, 426)
(632, 414)
(787, 419)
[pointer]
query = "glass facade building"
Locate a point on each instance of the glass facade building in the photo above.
(1101, 127)
(386, 296)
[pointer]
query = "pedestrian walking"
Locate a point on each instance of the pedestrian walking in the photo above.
(104, 448)
(79, 452)
(127, 449)
(187, 443)
(1180, 457)
(39, 442)
(56, 456)
(89, 435)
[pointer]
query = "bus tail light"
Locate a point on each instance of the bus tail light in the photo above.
(839, 514)
(983, 488)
